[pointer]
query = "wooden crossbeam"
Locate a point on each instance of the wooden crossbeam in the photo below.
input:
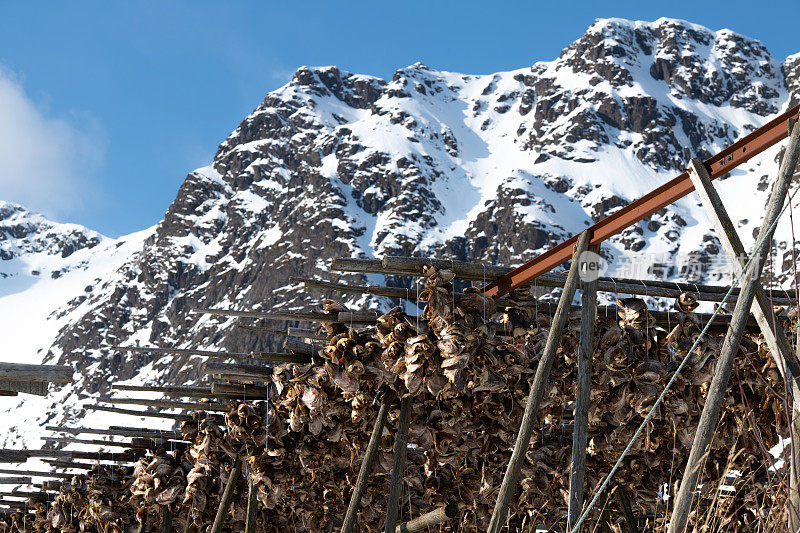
(120, 431)
(166, 404)
(434, 518)
(471, 272)
(20, 456)
(149, 414)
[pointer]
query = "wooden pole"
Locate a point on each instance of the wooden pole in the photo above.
(434, 518)
(252, 506)
(20, 456)
(182, 351)
(412, 266)
(34, 473)
(301, 347)
(309, 316)
(722, 371)
(237, 369)
(121, 432)
(174, 390)
(15, 480)
(793, 518)
(376, 290)
(773, 332)
(27, 494)
(398, 465)
(357, 317)
(511, 478)
(50, 373)
(39, 388)
(227, 496)
(166, 404)
(584, 387)
(234, 391)
(56, 485)
(181, 417)
(278, 357)
(366, 463)
(96, 442)
(72, 465)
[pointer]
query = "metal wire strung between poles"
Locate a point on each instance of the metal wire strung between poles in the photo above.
(658, 401)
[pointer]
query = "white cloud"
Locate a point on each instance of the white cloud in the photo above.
(45, 161)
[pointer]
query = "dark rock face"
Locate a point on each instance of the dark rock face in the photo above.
(791, 70)
(494, 168)
(610, 64)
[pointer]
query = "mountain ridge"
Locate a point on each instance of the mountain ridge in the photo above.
(493, 168)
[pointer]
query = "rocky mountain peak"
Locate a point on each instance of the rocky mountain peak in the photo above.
(26, 234)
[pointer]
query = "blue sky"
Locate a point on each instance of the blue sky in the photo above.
(106, 106)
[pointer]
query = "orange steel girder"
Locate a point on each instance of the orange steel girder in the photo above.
(718, 165)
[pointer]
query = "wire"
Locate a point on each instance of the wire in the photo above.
(663, 394)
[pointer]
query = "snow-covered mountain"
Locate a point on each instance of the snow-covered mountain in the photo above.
(493, 168)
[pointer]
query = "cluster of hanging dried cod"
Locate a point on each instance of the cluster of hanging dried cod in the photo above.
(468, 366)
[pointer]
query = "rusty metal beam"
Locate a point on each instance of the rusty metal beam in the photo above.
(717, 165)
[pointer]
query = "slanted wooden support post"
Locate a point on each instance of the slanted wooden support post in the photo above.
(793, 502)
(252, 506)
(189, 521)
(773, 333)
(584, 387)
(227, 496)
(511, 478)
(366, 463)
(434, 518)
(716, 393)
(398, 465)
